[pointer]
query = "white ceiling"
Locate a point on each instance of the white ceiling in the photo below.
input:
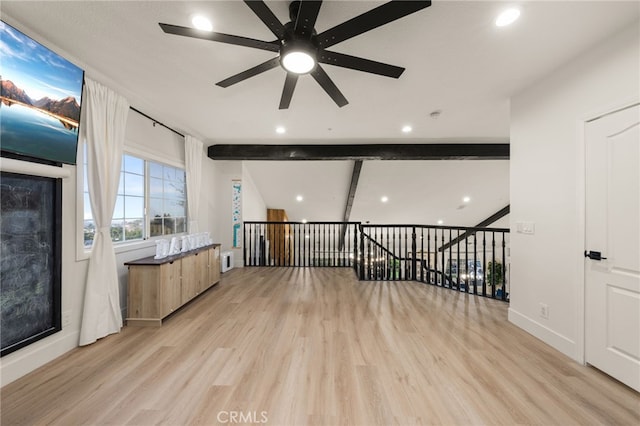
(456, 61)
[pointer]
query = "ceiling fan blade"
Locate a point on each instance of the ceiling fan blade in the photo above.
(265, 66)
(287, 92)
(327, 84)
(307, 15)
(267, 17)
(360, 64)
(272, 46)
(374, 18)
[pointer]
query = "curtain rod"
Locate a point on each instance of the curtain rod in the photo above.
(156, 121)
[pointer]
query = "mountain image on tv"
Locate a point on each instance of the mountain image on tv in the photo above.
(66, 110)
(40, 98)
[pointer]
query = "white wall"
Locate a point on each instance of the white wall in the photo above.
(253, 206)
(224, 173)
(547, 185)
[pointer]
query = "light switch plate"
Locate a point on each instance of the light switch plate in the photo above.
(526, 228)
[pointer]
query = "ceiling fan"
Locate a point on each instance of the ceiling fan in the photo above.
(301, 50)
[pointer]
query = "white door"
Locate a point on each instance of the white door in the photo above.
(612, 287)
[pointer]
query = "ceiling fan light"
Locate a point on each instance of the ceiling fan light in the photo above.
(298, 62)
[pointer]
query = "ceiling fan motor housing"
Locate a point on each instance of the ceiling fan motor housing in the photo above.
(298, 38)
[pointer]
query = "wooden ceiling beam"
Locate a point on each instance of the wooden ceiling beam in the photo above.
(351, 195)
(451, 151)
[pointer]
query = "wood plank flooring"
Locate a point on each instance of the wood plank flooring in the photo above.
(317, 347)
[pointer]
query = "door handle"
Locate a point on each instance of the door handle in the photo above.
(594, 255)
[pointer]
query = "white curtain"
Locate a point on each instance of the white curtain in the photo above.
(103, 127)
(193, 163)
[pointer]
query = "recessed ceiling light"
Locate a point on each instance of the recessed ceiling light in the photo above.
(304, 220)
(507, 17)
(407, 129)
(299, 198)
(201, 23)
(440, 222)
(384, 199)
(280, 130)
(466, 199)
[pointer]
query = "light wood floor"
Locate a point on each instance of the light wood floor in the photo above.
(318, 347)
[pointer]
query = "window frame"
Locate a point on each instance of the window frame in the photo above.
(82, 252)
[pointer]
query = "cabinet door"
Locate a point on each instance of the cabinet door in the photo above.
(202, 271)
(171, 287)
(144, 292)
(214, 265)
(189, 289)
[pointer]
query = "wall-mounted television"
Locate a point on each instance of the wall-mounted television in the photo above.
(41, 95)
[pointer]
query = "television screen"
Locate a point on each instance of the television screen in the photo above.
(41, 95)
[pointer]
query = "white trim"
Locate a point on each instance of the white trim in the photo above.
(137, 151)
(36, 169)
(547, 335)
(81, 252)
(25, 360)
(580, 240)
(581, 199)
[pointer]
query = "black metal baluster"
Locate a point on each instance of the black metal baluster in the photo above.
(335, 260)
(422, 253)
(310, 242)
(466, 259)
(294, 258)
(484, 263)
(504, 270)
(450, 258)
(493, 265)
(414, 249)
(301, 245)
(429, 255)
(459, 269)
(280, 244)
(252, 243)
(335, 247)
(389, 254)
(276, 232)
(361, 254)
(325, 262)
(475, 264)
(435, 255)
(444, 271)
(287, 244)
(314, 258)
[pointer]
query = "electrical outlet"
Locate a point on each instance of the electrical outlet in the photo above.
(544, 311)
(66, 319)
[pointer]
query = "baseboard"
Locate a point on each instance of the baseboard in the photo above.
(550, 337)
(28, 359)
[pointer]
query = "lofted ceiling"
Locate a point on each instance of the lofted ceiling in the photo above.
(457, 62)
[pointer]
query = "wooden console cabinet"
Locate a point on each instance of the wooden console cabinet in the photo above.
(157, 287)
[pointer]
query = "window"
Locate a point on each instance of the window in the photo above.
(167, 200)
(151, 202)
